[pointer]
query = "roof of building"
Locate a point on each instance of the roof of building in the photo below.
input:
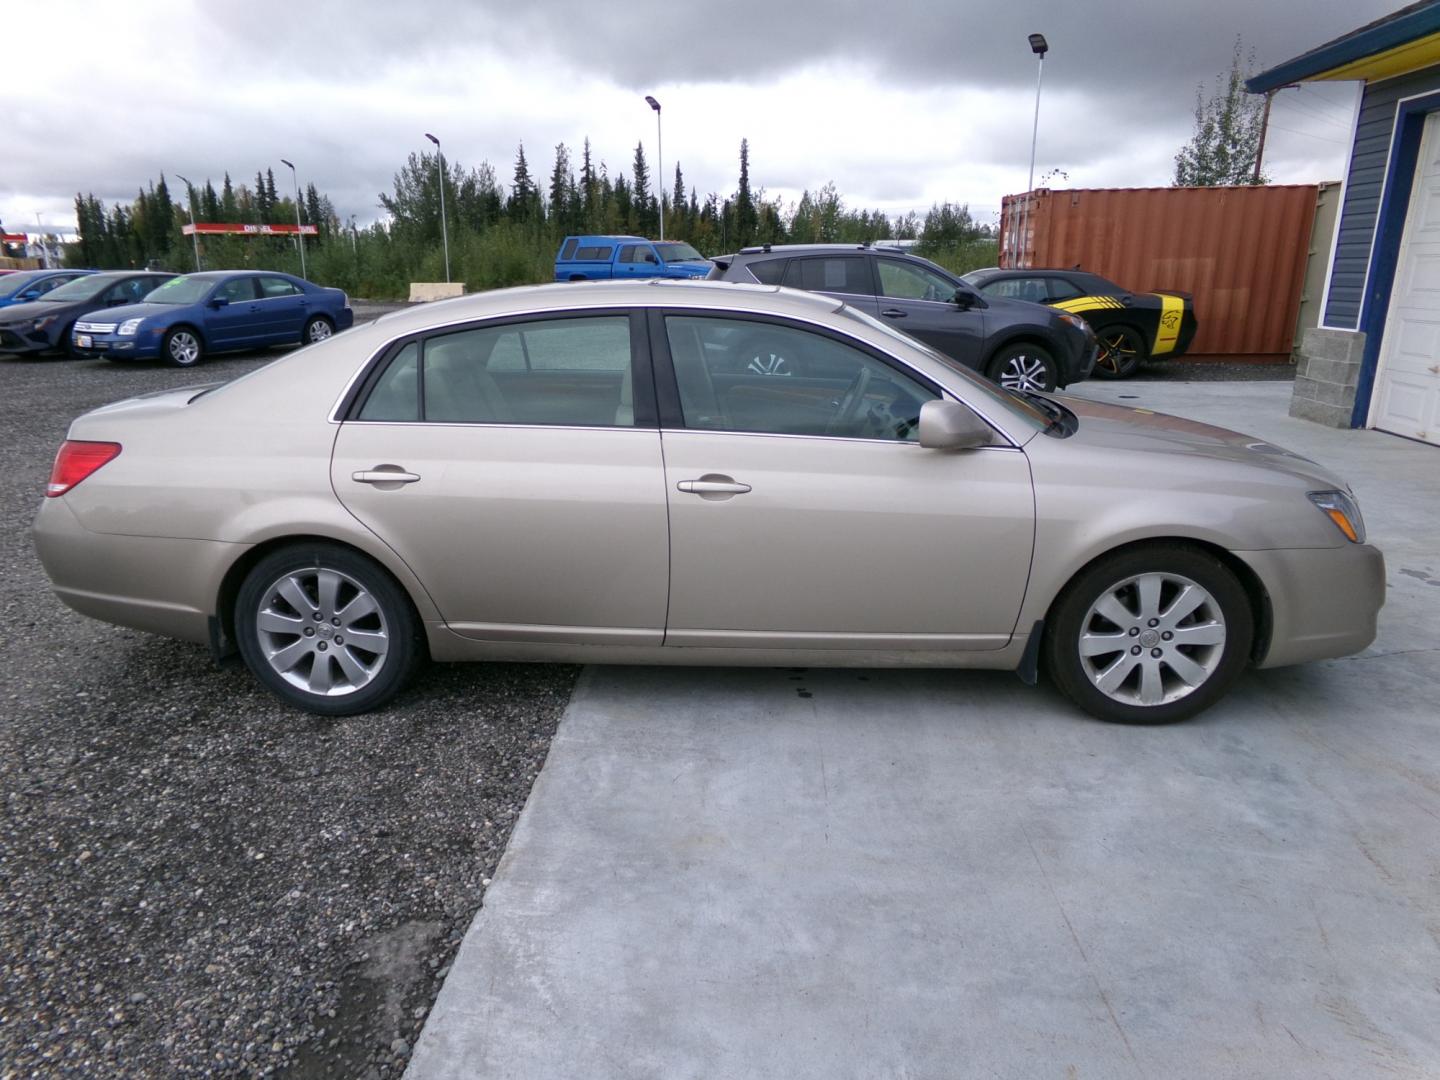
(1406, 40)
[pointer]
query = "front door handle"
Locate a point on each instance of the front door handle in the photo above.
(893, 313)
(382, 474)
(713, 486)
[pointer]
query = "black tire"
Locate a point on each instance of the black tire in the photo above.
(360, 677)
(1122, 351)
(317, 328)
(1024, 366)
(183, 347)
(1145, 647)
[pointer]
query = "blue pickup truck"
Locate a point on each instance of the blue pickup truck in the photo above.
(599, 258)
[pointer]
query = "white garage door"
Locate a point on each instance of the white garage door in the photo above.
(1407, 384)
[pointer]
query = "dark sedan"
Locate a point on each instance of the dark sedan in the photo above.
(215, 311)
(1131, 326)
(1021, 346)
(44, 325)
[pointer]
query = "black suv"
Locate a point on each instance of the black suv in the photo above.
(1018, 344)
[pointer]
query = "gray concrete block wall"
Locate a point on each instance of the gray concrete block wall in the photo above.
(1327, 369)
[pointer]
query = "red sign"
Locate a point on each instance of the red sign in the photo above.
(208, 228)
(12, 238)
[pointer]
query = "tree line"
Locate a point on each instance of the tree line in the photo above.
(498, 234)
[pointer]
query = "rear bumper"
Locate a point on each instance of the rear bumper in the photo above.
(169, 585)
(1324, 602)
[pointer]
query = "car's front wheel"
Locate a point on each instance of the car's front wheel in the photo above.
(327, 630)
(1121, 352)
(182, 347)
(1024, 366)
(318, 329)
(1150, 634)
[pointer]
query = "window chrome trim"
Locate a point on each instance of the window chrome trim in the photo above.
(1012, 448)
(668, 304)
(499, 424)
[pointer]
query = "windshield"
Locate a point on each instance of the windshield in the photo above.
(85, 288)
(10, 284)
(183, 290)
(678, 253)
(1014, 406)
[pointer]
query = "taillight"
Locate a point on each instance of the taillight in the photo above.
(76, 461)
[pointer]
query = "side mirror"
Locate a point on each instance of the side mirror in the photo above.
(219, 301)
(965, 299)
(948, 425)
(29, 294)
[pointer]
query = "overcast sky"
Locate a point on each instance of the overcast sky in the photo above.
(901, 104)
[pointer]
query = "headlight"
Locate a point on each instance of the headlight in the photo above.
(41, 324)
(1074, 320)
(1340, 508)
(130, 327)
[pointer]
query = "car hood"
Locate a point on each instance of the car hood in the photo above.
(1136, 430)
(137, 311)
(35, 309)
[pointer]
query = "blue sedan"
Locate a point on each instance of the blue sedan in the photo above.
(30, 285)
(214, 311)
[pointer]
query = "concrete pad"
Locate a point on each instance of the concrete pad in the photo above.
(728, 873)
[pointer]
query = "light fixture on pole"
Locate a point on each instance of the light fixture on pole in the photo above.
(659, 163)
(444, 234)
(194, 234)
(299, 236)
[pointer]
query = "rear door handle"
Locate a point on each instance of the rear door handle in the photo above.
(712, 485)
(384, 476)
(893, 313)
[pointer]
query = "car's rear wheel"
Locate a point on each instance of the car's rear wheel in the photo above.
(318, 329)
(1150, 634)
(327, 630)
(1024, 366)
(182, 347)
(1122, 351)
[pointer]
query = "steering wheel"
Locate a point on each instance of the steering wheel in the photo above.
(851, 402)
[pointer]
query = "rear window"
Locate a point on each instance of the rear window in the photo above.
(598, 253)
(768, 271)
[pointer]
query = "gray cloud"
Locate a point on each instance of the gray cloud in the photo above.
(345, 90)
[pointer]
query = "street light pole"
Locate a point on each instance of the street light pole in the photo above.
(444, 233)
(194, 236)
(659, 162)
(1039, 46)
(44, 247)
(299, 236)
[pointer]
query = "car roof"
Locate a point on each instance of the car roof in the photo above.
(648, 292)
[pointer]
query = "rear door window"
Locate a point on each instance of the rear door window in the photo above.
(831, 273)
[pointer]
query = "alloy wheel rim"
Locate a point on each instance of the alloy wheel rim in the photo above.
(184, 348)
(1152, 639)
(322, 632)
(1113, 349)
(1023, 372)
(769, 363)
(319, 330)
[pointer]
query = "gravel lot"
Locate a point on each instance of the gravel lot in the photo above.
(194, 880)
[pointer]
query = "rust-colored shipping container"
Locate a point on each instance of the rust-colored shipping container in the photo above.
(1240, 251)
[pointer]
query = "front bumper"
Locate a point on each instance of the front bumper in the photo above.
(110, 345)
(1077, 359)
(1324, 602)
(19, 339)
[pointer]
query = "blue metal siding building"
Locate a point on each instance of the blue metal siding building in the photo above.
(1398, 60)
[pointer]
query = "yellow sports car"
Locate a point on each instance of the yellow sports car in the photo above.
(1131, 327)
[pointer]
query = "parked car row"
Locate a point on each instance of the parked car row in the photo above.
(143, 315)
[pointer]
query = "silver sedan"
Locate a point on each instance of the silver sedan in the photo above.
(604, 475)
